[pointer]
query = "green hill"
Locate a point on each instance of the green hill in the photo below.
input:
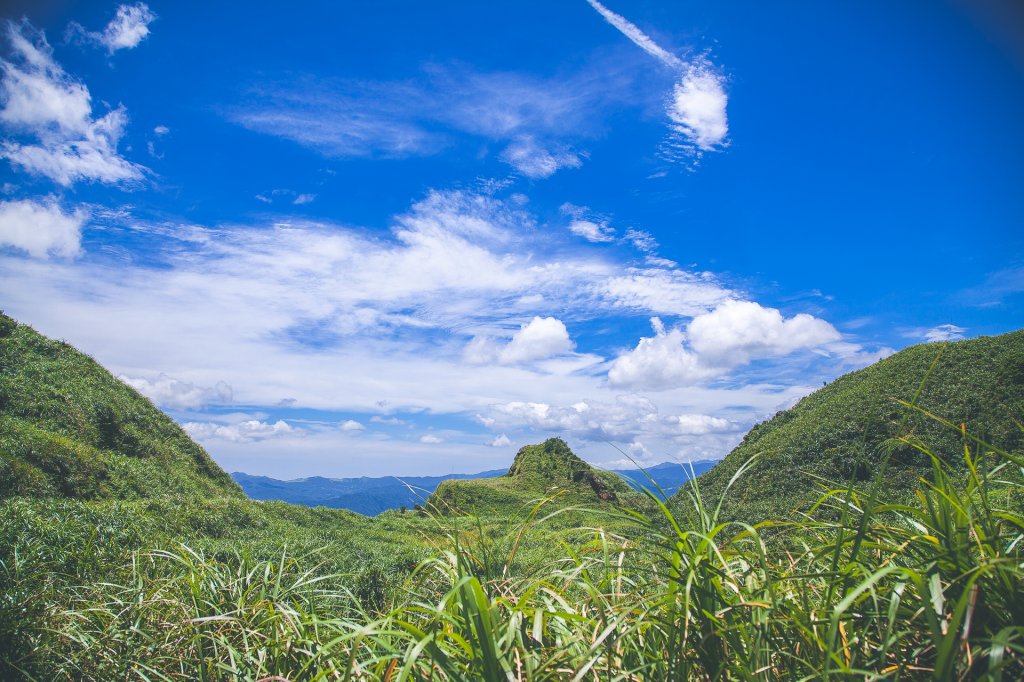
(69, 428)
(549, 469)
(844, 431)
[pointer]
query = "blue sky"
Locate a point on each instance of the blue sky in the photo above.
(407, 238)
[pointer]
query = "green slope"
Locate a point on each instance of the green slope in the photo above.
(69, 428)
(549, 469)
(843, 432)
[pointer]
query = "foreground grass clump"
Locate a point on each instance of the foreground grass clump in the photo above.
(860, 585)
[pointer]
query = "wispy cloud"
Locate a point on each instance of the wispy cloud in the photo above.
(696, 108)
(944, 332)
(641, 39)
(996, 288)
(538, 161)
(339, 320)
(128, 28)
(584, 224)
(41, 101)
(531, 117)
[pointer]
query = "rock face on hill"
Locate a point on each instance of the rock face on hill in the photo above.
(845, 431)
(549, 469)
(69, 428)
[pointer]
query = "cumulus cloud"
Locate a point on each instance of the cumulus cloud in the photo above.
(500, 441)
(738, 331)
(697, 110)
(537, 161)
(243, 432)
(733, 334)
(538, 339)
(944, 332)
(304, 199)
(351, 425)
(41, 228)
(659, 362)
(431, 439)
(161, 130)
(43, 102)
(169, 392)
(541, 337)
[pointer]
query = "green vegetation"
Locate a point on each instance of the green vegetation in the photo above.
(130, 556)
(538, 471)
(70, 429)
(847, 430)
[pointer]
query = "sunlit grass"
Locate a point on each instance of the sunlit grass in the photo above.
(856, 586)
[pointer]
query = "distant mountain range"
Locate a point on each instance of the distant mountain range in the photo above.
(371, 496)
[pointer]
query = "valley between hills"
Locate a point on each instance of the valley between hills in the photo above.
(874, 530)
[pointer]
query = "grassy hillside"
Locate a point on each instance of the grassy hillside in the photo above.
(547, 470)
(68, 428)
(848, 429)
(124, 554)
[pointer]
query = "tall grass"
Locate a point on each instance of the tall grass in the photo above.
(858, 585)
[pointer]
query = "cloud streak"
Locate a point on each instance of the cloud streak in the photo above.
(696, 108)
(639, 38)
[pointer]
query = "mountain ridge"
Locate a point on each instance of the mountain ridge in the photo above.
(371, 495)
(844, 431)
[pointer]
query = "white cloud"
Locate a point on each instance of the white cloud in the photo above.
(667, 292)
(659, 362)
(733, 334)
(166, 391)
(41, 228)
(128, 28)
(243, 432)
(304, 199)
(392, 421)
(584, 223)
(339, 319)
(697, 106)
(537, 161)
(531, 117)
(542, 337)
(41, 101)
(699, 424)
(538, 339)
(739, 331)
(161, 130)
(626, 418)
(591, 231)
(351, 425)
(641, 39)
(697, 109)
(944, 332)
(500, 441)
(430, 439)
